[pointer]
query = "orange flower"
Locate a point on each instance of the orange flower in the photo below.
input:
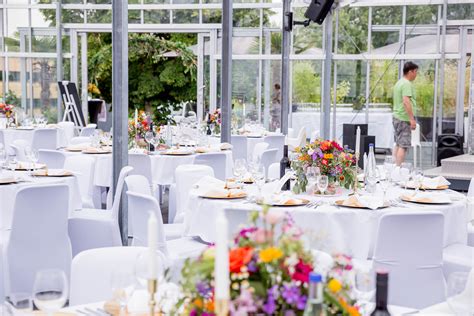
(198, 303)
(238, 258)
(341, 178)
(210, 306)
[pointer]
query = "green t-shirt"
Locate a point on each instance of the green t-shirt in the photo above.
(403, 88)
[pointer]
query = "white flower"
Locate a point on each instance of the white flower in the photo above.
(311, 152)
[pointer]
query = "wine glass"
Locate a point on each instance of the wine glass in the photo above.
(239, 168)
(458, 295)
(50, 290)
(312, 177)
(322, 182)
(3, 159)
(12, 163)
(384, 184)
(417, 176)
(32, 156)
(389, 165)
(123, 286)
(364, 288)
(143, 270)
(148, 137)
(405, 171)
(258, 174)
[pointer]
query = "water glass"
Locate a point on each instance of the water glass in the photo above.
(239, 168)
(405, 171)
(364, 288)
(148, 138)
(312, 174)
(143, 271)
(458, 295)
(417, 176)
(3, 159)
(123, 286)
(322, 183)
(50, 290)
(19, 304)
(12, 162)
(258, 174)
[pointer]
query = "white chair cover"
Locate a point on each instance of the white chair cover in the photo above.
(96, 228)
(45, 138)
(457, 257)
(409, 245)
(258, 150)
(141, 164)
(84, 168)
(186, 176)
(68, 130)
(269, 157)
(299, 141)
(39, 238)
(2, 139)
(53, 159)
(18, 146)
(91, 271)
(239, 146)
(276, 141)
(217, 161)
(79, 140)
(274, 171)
(88, 130)
(138, 183)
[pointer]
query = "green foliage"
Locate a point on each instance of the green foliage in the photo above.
(306, 83)
(11, 98)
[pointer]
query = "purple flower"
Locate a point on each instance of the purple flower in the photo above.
(270, 305)
(193, 313)
(252, 265)
(203, 289)
(244, 304)
(290, 313)
(290, 294)
(301, 304)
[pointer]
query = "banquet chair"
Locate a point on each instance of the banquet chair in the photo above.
(274, 171)
(175, 250)
(83, 166)
(2, 139)
(91, 272)
(53, 159)
(258, 150)
(470, 206)
(314, 136)
(457, 258)
(79, 140)
(139, 184)
(141, 164)
(186, 176)
(239, 146)
(96, 228)
(68, 130)
(299, 141)
(38, 239)
(409, 246)
(88, 130)
(269, 157)
(45, 138)
(18, 147)
(276, 141)
(291, 131)
(217, 161)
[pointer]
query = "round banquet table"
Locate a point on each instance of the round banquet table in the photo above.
(11, 134)
(251, 141)
(162, 167)
(8, 194)
(331, 228)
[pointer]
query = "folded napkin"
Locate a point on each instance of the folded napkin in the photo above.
(368, 201)
(207, 183)
(7, 178)
(285, 198)
(77, 147)
(93, 150)
(53, 173)
(226, 146)
(137, 151)
(429, 197)
(430, 183)
(179, 151)
(25, 165)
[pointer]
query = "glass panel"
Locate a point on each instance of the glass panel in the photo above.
(306, 85)
(99, 16)
(156, 1)
(450, 97)
(100, 1)
(72, 16)
(271, 77)
(211, 16)
(44, 44)
(306, 40)
(385, 43)
(242, 45)
(461, 11)
(424, 87)
(244, 89)
(134, 16)
(387, 15)
(353, 30)
(156, 16)
(45, 92)
(246, 18)
(41, 18)
(185, 16)
(14, 77)
(422, 14)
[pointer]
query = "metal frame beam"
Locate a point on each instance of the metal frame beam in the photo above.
(226, 70)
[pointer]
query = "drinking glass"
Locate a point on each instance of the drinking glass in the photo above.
(322, 182)
(458, 295)
(389, 165)
(12, 162)
(364, 288)
(312, 174)
(384, 184)
(19, 304)
(239, 168)
(32, 156)
(50, 290)
(143, 271)
(405, 171)
(123, 286)
(258, 175)
(3, 159)
(148, 137)
(417, 176)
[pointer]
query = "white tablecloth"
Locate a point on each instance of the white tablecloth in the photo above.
(11, 134)
(380, 124)
(162, 167)
(331, 228)
(8, 194)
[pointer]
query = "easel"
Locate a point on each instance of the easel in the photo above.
(71, 112)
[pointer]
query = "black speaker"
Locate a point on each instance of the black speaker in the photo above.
(351, 129)
(318, 9)
(449, 145)
(365, 141)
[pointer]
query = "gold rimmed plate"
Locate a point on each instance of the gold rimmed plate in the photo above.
(341, 203)
(302, 203)
(406, 198)
(220, 197)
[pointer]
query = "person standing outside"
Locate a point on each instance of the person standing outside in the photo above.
(404, 104)
(276, 108)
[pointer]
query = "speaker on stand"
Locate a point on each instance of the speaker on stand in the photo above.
(449, 145)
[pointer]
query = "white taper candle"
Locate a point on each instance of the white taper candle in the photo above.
(221, 264)
(357, 144)
(152, 246)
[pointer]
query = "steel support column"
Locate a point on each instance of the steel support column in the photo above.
(84, 74)
(285, 67)
(326, 82)
(120, 101)
(226, 70)
(59, 53)
(442, 66)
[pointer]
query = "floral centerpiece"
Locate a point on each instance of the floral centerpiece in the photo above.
(269, 274)
(332, 160)
(6, 109)
(137, 128)
(214, 122)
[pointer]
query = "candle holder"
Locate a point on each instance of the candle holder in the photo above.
(152, 288)
(221, 307)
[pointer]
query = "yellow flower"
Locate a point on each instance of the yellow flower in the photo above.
(270, 254)
(209, 253)
(328, 156)
(334, 286)
(297, 149)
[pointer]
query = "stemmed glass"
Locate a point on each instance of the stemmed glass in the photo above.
(12, 164)
(389, 165)
(364, 288)
(148, 138)
(417, 176)
(405, 171)
(322, 182)
(384, 184)
(32, 156)
(239, 169)
(258, 174)
(3, 158)
(123, 286)
(312, 177)
(50, 290)
(458, 295)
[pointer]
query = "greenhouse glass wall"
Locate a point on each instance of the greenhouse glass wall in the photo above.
(175, 54)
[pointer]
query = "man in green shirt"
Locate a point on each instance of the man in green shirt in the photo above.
(404, 103)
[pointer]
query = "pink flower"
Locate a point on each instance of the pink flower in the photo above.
(273, 218)
(261, 236)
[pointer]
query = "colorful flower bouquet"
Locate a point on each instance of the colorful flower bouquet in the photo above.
(332, 160)
(214, 122)
(268, 273)
(138, 127)
(6, 109)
